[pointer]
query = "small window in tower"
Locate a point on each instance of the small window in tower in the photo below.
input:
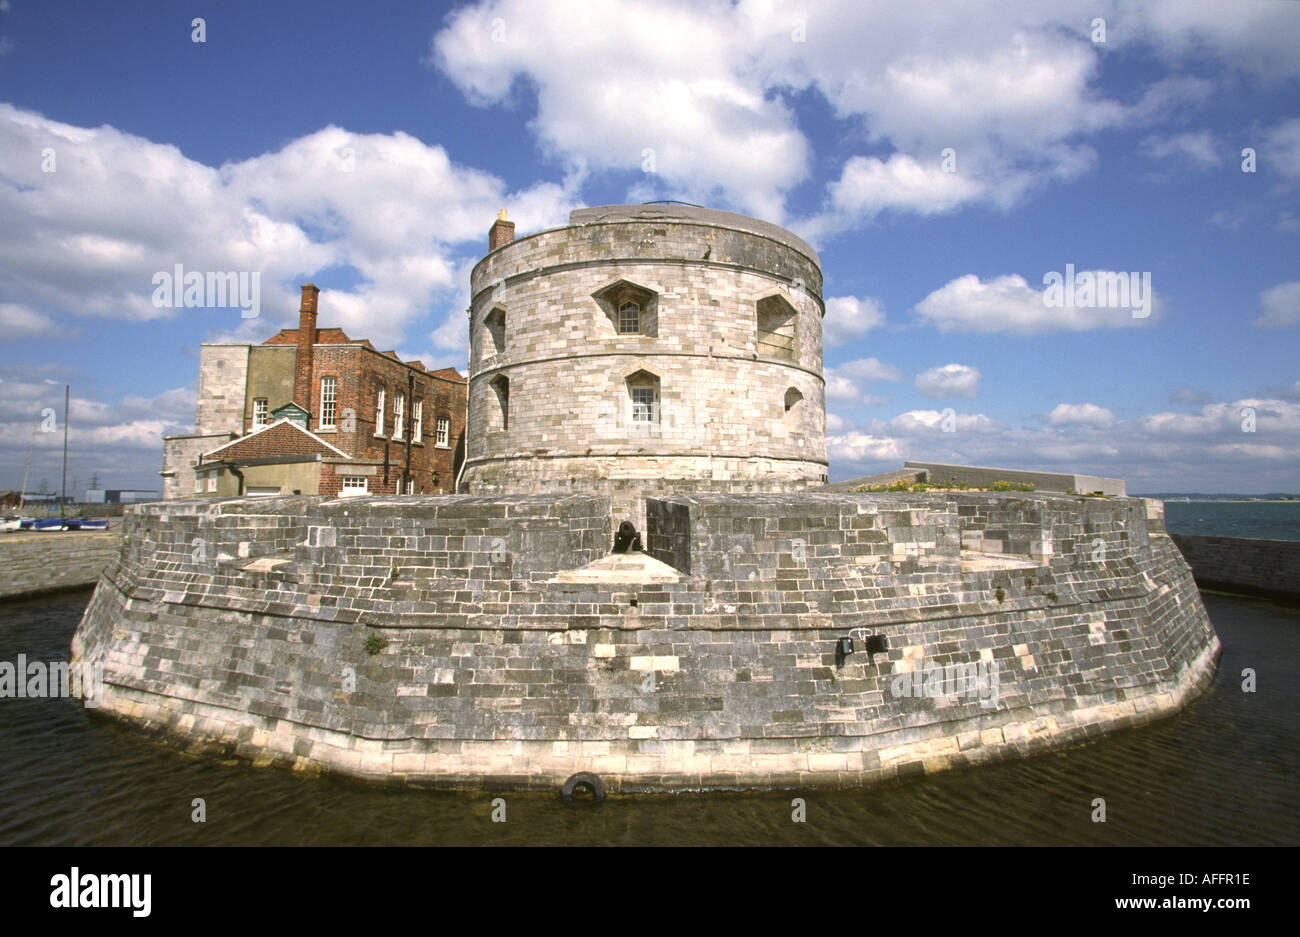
(777, 328)
(495, 326)
(629, 318)
(793, 408)
(632, 309)
(500, 419)
(643, 404)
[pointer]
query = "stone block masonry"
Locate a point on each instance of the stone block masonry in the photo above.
(34, 563)
(1269, 568)
(447, 641)
(715, 383)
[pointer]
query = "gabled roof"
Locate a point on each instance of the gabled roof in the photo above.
(289, 407)
(283, 437)
(323, 337)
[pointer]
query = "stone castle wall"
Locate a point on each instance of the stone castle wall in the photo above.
(723, 401)
(33, 563)
(246, 623)
(1238, 564)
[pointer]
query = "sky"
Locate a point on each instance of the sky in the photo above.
(966, 171)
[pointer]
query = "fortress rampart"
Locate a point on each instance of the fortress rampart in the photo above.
(510, 650)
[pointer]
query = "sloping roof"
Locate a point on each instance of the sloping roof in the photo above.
(283, 437)
(450, 373)
(323, 337)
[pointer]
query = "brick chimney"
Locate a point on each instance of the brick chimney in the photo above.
(501, 233)
(306, 339)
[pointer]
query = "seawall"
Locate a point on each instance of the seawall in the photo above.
(34, 563)
(492, 642)
(1268, 568)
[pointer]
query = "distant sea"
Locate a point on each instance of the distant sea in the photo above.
(1269, 520)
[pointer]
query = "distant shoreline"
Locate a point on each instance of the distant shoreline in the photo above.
(1177, 500)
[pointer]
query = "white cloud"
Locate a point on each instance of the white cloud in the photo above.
(1281, 151)
(931, 422)
(87, 238)
(855, 447)
(1155, 452)
(676, 79)
(841, 388)
(849, 318)
(949, 380)
(869, 369)
(1085, 414)
(1199, 148)
(18, 321)
(868, 186)
(1009, 304)
(113, 439)
(1280, 306)
(1010, 85)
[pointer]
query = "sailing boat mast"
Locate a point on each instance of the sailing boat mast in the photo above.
(63, 487)
(22, 495)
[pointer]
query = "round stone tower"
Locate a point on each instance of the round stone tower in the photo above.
(643, 349)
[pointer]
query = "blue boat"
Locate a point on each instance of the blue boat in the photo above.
(47, 524)
(87, 523)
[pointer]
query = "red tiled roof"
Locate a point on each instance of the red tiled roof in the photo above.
(323, 337)
(279, 439)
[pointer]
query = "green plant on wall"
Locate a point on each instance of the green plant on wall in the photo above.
(1001, 594)
(374, 644)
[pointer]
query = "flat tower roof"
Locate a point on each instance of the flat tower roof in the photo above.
(692, 214)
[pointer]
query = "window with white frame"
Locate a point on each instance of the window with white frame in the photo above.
(355, 485)
(417, 419)
(379, 413)
(643, 400)
(643, 404)
(410, 486)
(399, 414)
(443, 429)
(329, 396)
(261, 411)
(198, 484)
(212, 481)
(629, 318)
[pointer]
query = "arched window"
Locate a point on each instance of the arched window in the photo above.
(500, 419)
(777, 328)
(632, 309)
(643, 404)
(494, 327)
(629, 318)
(793, 409)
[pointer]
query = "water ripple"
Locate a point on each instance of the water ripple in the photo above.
(1221, 772)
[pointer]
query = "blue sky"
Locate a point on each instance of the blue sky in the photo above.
(368, 148)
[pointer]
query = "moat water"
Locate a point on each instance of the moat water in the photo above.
(1221, 772)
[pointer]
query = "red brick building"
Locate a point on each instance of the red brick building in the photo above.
(313, 411)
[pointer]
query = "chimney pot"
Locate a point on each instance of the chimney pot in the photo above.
(501, 233)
